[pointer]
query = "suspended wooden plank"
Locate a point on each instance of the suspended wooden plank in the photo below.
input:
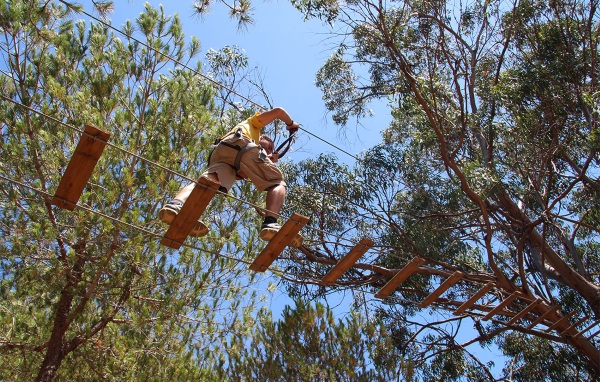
(501, 306)
(400, 277)
(192, 209)
(80, 168)
(576, 324)
(453, 279)
(561, 321)
(347, 261)
(524, 312)
(543, 316)
(593, 335)
(587, 328)
(281, 240)
(467, 304)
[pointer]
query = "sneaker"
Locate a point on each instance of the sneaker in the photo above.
(268, 231)
(168, 212)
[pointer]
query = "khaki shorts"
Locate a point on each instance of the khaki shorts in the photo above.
(262, 172)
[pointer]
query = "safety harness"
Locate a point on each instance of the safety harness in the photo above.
(242, 149)
(287, 142)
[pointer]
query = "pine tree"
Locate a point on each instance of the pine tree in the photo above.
(91, 294)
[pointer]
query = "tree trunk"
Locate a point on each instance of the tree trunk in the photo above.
(56, 345)
(54, 352)
(586, 289)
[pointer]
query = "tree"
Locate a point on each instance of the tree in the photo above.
(90, 294)
(307, 344)
(489, 168)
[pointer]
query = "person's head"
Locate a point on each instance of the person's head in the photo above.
(266, 143)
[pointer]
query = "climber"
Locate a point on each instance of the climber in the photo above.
(238, 156)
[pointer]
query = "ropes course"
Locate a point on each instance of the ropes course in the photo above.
(91, 146)
(516, 306)
(80, 169)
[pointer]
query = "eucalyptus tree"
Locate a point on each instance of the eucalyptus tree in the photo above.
(489, 167)
(90, 294)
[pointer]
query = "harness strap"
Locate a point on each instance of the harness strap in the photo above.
(238, 157)
(287, 142)
(235, 147)
(241, 150)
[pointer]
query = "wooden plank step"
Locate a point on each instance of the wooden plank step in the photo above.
(80, 168)
(453, 279)
(281, 240)
(347, 261)
(400, 277)
(551, 309)
(467, 304)
(524, 312)
(192, 209)
(507, 301)
(587, 328)
(561, 321)
(593, 335)
(575, 325)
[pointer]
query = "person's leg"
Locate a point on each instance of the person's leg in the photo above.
(168, 212)
(185, 192)
(274, 200)
(266, 176)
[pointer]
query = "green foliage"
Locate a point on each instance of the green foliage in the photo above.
(308, 344)
(536, 359)
(90, 294)
(326, 191)
(339, 83)
(490, 165)
(326, 10)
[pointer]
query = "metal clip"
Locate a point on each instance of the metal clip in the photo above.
(262, 155)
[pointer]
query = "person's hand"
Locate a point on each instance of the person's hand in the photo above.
(274, 157)
(293, 127)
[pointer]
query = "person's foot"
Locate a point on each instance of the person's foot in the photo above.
(268, 231)
(168, 212)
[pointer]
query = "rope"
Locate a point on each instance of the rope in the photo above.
(71, 6)
(152, 163)
(275, 271)
(168, 57)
